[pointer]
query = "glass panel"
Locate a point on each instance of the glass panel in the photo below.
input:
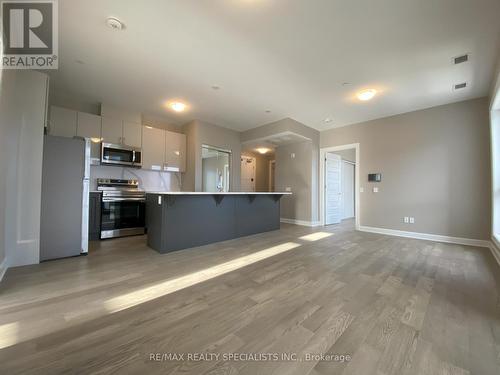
(215, 169)
(113, 154)
(119, 215)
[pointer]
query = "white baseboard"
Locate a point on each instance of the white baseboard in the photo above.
(495, 249)
(301, 222)
(3, 268)
(427, 236)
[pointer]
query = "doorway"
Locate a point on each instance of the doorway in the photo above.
(339, 179)
(215, 167)
(272, 171)
(248, 173)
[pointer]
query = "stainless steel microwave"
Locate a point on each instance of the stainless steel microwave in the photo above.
(113, 154)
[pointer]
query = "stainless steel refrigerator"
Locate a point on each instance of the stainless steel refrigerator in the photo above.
(65, 197)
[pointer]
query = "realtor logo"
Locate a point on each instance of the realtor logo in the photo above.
(29, 34)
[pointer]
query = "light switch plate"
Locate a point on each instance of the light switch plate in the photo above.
(375, 189)
(406, 220)
(412, 220)
(159, 199)
(292, 155)
(361, 190)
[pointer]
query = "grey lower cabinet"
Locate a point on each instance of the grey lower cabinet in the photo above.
(95, 216)
(180, 221)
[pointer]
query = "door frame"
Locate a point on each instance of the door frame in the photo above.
(271, 181)
(357, 204)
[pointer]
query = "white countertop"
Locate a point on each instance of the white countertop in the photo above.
(220, 193)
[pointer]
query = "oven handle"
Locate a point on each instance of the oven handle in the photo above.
(105, 199)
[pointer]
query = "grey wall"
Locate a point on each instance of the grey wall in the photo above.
(304, 169)
(435, 166)
(200, 133)
(297, 174)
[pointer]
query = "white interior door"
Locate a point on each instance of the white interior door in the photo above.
(247, 173)
(333, 189)
(347, 190)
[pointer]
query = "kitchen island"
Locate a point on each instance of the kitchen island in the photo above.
(179, 220)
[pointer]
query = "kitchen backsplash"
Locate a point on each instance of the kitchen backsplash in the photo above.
(148, 180)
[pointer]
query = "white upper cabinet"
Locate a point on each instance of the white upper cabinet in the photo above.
(175, 152)
(112, 130)
(88, 126)
(62, 122)
(153, 148)
(132, 134)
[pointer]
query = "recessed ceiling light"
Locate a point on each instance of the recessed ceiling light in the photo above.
(115, 23)
(366, 94)
(268, 111)
(262, 150)
(178, 106)
(80, 61)
(346, 83)
(327, 120)
(215, 87)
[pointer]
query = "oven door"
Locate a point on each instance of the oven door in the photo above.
(117, 155)
(122, 217)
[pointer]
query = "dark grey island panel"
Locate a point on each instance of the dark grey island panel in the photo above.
(179, 221)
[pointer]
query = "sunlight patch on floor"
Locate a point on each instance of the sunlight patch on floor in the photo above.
(8, 334)
(173, 285)
(315, 236)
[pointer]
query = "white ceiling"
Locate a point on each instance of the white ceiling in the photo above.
(287, 56)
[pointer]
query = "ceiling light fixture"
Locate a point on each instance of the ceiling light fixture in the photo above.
(366, 94)
(262, 150)
(178, 106)
(115, 23)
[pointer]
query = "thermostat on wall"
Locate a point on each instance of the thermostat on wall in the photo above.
(375, 177)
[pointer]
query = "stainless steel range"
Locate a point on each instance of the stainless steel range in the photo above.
(122, 208)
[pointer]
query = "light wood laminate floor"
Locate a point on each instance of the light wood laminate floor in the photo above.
(394, 305)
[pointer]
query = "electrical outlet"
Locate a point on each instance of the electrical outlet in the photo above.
(406, 220)
(375, 189)
(412, 220)
(288, 188)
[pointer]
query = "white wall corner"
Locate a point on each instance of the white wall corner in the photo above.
(304, 223)
(427, 236)
(3, 269)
